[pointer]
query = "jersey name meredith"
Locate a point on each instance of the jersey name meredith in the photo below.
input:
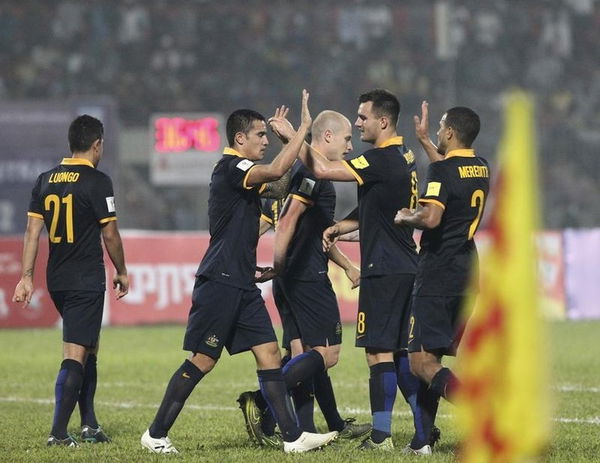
(64, 177)
(473, 171)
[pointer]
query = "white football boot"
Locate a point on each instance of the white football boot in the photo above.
(162, 445)
(309, 441)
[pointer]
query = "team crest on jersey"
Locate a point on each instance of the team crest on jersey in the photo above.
(244, 164)
(212, 340)
(360, 162)
(433, 189)
(110, 203)
(409, 156)
(307, 186)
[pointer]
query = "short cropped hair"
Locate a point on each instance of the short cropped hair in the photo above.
(83, 132)
(384, 102)
(465, 122)
(327, 120)
(241, 121)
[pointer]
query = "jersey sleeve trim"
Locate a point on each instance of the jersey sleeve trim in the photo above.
(266, 218)
(302, 199)
(356, 176)
(107, 219)
(35, 214)
(245, 185)
(433, 201)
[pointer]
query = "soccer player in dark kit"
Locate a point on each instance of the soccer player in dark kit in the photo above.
(76, 203)
(450, 212)
(386, 177)
(227, 308)
(302, 265)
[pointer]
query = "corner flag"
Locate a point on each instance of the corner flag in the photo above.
(502, 404)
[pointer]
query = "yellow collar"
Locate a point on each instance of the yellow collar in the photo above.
(397, 140)
(233, 152)
(463, 153)
(77, 162)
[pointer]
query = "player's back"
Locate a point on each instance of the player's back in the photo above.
(74, 200)
(460, 185)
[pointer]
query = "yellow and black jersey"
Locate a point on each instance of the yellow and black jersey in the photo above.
(74, 200)
(387, 182)
(305, 257)
(271, 210)
(459, 184)
(233, 214)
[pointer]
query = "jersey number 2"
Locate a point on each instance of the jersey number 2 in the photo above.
(477, 200)
(53, 202)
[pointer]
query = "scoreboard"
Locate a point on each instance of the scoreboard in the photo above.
(185, 147)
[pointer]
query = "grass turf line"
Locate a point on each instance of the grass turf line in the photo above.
(136, 363)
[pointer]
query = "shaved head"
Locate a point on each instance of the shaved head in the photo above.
(332, 135)
(329, 120)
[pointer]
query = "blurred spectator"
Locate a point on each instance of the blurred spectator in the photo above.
(206, 55)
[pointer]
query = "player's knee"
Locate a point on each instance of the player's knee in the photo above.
(203, 362)
(332, 356)
(267, 356)
(415, 365)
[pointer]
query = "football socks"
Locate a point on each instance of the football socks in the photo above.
(409, 387)
(326, 400)
(88, 390)
(274, 392)
(382, 392)
(444, 383)
(66, 393)
(180, 387)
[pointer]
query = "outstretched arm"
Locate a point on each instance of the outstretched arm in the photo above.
(325, 169)
(422, 132)
(425, 217)
(321, 167)
(342, 260)
(114, 247)
(263, 173)
(24, 289)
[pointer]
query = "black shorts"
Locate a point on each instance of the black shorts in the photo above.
(383, 312)
(81, 312)
(436, 324)
(288, 323)
(315, 310)
(226, 316)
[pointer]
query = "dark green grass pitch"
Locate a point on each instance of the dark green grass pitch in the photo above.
(136, 363)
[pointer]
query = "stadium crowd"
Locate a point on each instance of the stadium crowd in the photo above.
(217, 56)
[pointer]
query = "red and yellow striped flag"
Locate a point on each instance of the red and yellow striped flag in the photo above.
(503, 403)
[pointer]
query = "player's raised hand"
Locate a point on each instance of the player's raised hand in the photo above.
(401, 215)
(23, 291)
(121, 284)
(422, 123)
(280, 124)
(330, 236)
(306, 119)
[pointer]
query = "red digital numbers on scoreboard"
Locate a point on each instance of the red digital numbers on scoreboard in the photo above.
(177, 134)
